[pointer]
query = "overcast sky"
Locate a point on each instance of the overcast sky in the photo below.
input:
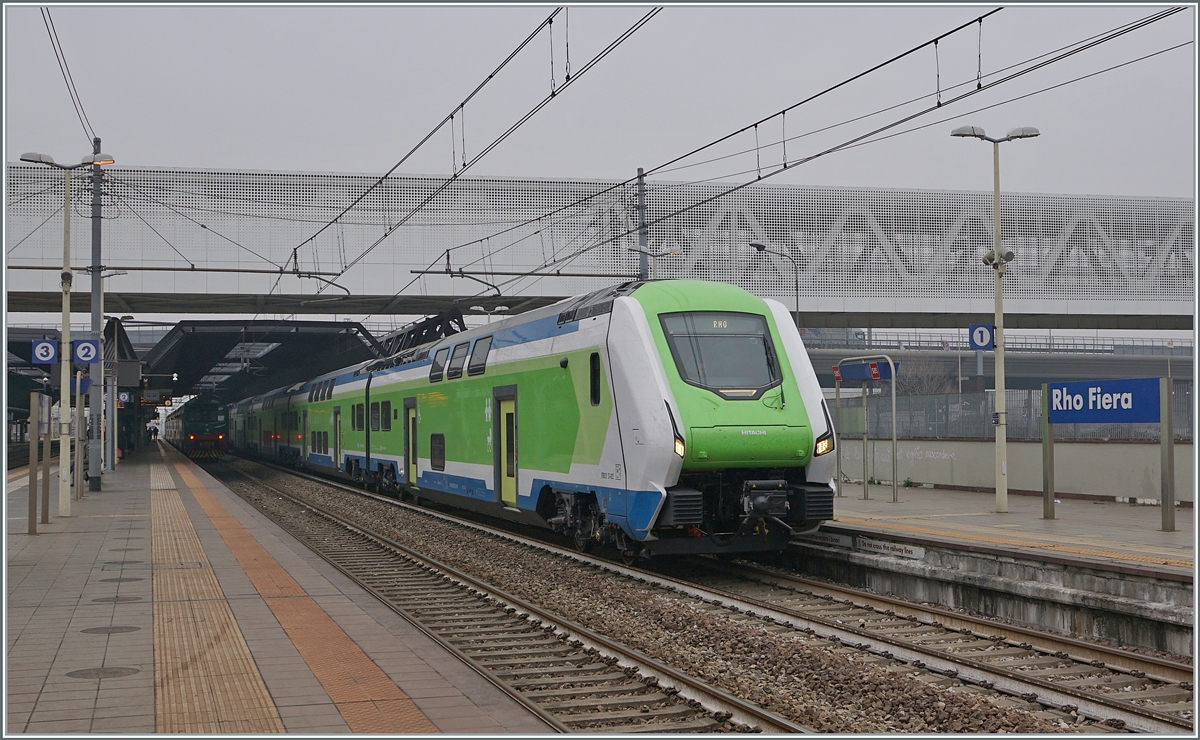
(351, 89)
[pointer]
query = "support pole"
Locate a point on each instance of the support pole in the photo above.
(81, 436)
(64, 362)
(866, 422)
(34, 435)
(1047, 456)
(1166, 433)
(643, 237)
(95, 369)
(895, 473)
(837, 442)
(46, 466)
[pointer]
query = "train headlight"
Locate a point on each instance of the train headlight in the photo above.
(824, 445)
(679, 448)
(191, 436)
(220, 436)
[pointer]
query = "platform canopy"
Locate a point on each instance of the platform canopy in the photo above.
(236, 359)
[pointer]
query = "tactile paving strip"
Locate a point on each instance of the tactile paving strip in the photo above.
(205, 679)
(1073, 549)
(368, 700)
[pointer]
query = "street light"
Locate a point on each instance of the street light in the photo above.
(998, 258)
(497, 309)
(64, 421)
(795, 271)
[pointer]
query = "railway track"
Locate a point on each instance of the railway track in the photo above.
(1068, 682)
(1117, 687)
(574, 679)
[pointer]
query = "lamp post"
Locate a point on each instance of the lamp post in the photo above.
(998, 258)
(795, 271)
(497, 309)
(66, 355)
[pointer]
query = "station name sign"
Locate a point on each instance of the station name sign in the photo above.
(1130, 401)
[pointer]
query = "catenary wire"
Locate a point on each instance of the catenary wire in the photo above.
(34, 230)
(439, 126)
(545, 101)
(61, 57)
(869, 135)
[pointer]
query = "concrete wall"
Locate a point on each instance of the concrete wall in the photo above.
(1119, 469)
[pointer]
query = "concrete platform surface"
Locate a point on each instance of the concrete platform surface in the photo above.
(165, 603)
(1099, 530)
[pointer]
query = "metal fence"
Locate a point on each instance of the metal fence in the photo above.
(969, 416)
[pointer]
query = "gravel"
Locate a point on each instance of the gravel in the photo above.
(788, 673)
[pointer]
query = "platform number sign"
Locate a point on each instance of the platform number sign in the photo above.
(45, 352)
(983, 336)
(87, 351)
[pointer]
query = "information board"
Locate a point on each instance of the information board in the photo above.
(1129, 401)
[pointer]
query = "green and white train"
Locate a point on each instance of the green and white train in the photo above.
(661, 418)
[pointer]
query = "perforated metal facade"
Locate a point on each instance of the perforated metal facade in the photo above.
(856, 249)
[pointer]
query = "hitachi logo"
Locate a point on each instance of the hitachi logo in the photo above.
(753, 433)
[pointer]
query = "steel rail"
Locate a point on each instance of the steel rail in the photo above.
(1154, 667)
(690, 688)
(1094, 706)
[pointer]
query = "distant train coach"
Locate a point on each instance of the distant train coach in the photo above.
(662, 417)
(199, 428)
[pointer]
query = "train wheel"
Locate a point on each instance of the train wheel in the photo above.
(631, 553)
(581, 543)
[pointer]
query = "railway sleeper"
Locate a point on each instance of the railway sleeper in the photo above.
(1066, 671)
(578, 683)
(626, 687)
(576, 672)
(622, 716)
(522, 658)
(516, 628)
(1117, 682)
(551, 643)
(1161, 694)
(687, 726)
(480, 652)
(483, 619)
(654, 699)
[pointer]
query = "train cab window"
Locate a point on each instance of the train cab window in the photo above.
(728, 353)
(457, 359)
(439, 363)
(375, 417)
(385, 416)
(594, 374)
(479, 356)
(437, 451)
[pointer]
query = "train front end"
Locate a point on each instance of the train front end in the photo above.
(741, 446)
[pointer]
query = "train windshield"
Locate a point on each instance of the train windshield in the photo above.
(730, 353)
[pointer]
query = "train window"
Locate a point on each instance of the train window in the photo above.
(457, 358)
(439, 363)
(313, 441)
(360, 414)
(729, 353)
(312, 392)
(479, 356)
(329, 388)
(437, 451)
(375, 417)
(325, 442)
(385, 416)
(594, 373)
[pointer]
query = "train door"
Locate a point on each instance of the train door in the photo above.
(304, 434)
(337, 437)
(410, 441)
(504, 428)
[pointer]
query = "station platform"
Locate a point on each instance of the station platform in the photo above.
(165, 603)
(1105, 532)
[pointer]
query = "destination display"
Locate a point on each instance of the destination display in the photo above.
(1105, 401)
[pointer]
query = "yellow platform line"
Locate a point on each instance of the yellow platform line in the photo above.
(205, 678)
(1074, 549)
(368, 700)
